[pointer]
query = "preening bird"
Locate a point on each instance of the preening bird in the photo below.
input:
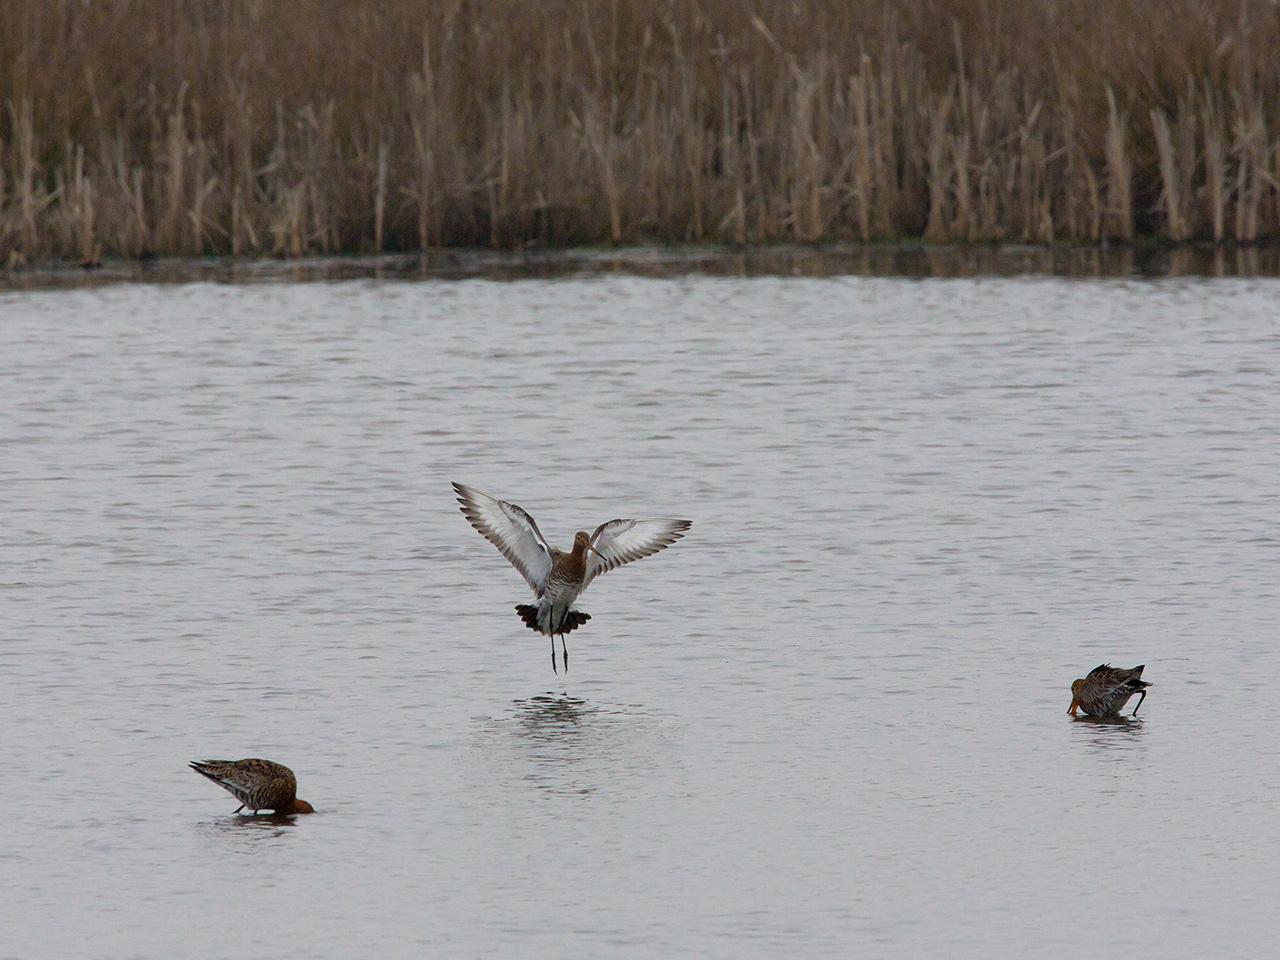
(557, 577)
(1105, 691)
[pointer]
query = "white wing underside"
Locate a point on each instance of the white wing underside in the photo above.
(510, 529)
(622, 541)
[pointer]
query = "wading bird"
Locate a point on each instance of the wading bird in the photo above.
(257, 784)
(557, 576)
(1105, 691)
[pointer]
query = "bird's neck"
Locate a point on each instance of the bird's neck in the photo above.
(575, 561)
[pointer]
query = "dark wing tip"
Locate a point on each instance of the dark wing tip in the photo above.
(676, 529)
(202, 768)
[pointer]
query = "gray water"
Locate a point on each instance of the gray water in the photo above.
(831, 721)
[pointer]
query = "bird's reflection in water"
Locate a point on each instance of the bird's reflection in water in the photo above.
(264, 821)
(1108, 733)
(565, 746)
(563, 739)
(549, 716)
(261, 826)
(1127, 722)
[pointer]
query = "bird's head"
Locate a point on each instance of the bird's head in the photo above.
(582, 543)
(301, 806)
(1077, 687)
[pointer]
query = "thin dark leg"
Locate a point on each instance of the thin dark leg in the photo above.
(237, 809)
(553, 654)
(565, 651)
(1142, 696)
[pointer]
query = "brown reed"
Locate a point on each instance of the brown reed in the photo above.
(290, 127)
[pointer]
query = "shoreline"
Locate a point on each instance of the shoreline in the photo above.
(907, 260)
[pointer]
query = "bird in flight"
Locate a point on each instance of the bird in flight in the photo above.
(557, 577)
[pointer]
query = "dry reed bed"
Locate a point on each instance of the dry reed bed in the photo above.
(138, 127)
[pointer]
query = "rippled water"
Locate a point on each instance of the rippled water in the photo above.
(831, 721)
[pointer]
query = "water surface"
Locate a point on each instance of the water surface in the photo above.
(831, 721)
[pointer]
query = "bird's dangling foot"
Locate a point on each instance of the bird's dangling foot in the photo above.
(565, 651)
(553, 654)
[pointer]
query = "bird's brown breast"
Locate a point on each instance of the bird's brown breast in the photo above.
(571, 567)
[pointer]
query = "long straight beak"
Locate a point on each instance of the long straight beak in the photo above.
(596, 552)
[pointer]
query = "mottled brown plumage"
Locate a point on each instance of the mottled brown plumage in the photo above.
(1105, 691)
(257, 784)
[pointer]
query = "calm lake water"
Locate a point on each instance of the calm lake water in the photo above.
(829, 722)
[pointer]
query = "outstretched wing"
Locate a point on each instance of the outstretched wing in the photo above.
(622, 541)
(511, 530)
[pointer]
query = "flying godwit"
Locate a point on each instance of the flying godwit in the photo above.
(556, 576)
(1105, 691)
(257, 784)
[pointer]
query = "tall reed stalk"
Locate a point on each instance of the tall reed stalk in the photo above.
(288, 127)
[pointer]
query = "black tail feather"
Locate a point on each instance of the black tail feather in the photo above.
(572, 620)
